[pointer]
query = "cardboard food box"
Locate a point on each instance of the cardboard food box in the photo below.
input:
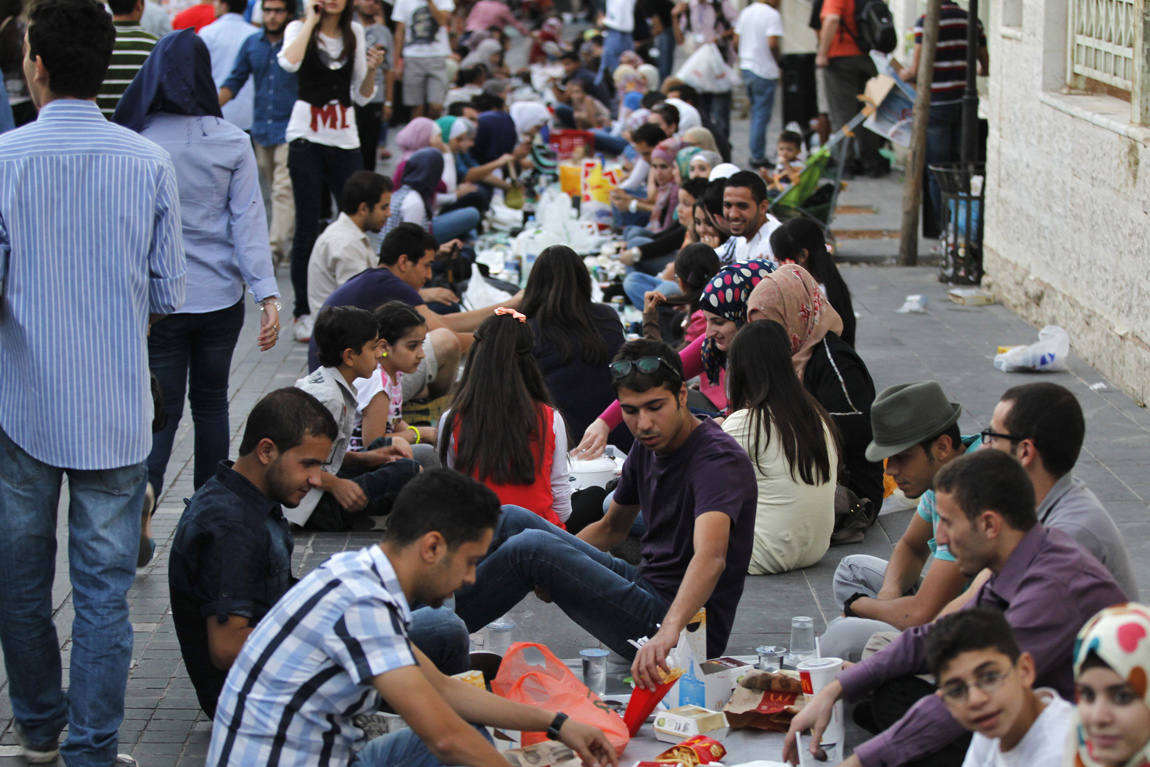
(766, 701)
(705, 683)
(672, 725)
(473, 677)
(693, 752)
(971, 296)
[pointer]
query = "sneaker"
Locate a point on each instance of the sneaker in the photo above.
(302, 327)
(761, 162)
(36, 753)
(126, 761)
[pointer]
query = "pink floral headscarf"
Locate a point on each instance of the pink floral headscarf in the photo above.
(791, 297)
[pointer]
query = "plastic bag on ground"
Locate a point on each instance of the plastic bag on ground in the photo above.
(1048, 354)
(531, 674)
(481, 293)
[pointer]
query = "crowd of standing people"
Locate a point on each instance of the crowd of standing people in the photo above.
(754, 435)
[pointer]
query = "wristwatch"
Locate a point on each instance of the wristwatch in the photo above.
(847, 611)
(556, 726)
(634, 206)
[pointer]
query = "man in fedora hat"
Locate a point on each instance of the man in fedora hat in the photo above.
(916, 430)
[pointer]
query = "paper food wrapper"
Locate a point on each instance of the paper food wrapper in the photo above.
(765, 701)
(546, 754)
(693, 752)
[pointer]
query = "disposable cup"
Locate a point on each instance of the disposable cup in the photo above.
(817, 673)
(595, 669)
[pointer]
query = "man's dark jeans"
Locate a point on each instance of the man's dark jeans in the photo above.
(310, 165)
(943, 145)
(193, 353)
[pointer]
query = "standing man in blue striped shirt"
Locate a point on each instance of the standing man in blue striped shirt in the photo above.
(89, 247)
(275, 95)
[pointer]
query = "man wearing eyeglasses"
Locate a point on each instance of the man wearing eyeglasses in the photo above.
(1041, 424)
(916, 431)
(1042, 581)
(696, 490)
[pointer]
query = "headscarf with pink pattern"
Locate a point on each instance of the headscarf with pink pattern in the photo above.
(726, 296)
(792, 298)
(1120, 637)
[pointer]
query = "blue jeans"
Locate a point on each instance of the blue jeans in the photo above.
(193, 352)
(717, 106)
(665, 43)
(761, 92)
(616, 145)
(440, 635)
(636, 284)
(943, 145)
(310, 165)
(606, 596)
(401, 748)
(103, 539)
(615, 44)
(454, 224)
(625, 218)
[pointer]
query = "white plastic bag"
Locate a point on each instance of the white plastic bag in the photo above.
(1048, 354)
(481, 293)
(705, 71)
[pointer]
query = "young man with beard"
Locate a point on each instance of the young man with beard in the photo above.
(275, 94)
(340, 645)
(695, 488)
(745, 208)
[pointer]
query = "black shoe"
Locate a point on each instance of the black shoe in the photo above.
(760, 163)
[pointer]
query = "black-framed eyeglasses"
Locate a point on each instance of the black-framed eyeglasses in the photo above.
(645, 365)
(988, 681)
(988, 435)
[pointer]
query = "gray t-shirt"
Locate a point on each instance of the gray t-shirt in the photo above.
(1071, 507)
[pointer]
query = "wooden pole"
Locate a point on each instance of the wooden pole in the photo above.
(912, 193)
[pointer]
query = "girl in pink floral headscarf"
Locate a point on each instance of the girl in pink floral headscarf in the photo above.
(791, 297)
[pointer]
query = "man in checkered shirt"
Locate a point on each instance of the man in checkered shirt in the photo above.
(336, 646)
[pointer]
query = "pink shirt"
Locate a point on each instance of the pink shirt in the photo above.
(492, 13)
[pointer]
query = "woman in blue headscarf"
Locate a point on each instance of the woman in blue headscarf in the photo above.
(414, 201)
(173, 101)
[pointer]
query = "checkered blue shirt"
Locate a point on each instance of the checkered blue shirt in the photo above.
(307, 668)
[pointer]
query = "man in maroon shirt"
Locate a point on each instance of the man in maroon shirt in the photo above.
(1045, 584)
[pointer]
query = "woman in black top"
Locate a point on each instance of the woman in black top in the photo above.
(575, 338)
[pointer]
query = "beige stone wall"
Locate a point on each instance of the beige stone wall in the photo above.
(1067, 201)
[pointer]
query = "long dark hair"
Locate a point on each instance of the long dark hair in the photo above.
(396, 319)
(558, 298)
(498, 404)
(799, 234)
(346, 16)
(761, 379)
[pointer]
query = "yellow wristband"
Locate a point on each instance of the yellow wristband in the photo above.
(415, 431)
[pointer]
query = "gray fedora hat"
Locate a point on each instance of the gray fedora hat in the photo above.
(904, 415)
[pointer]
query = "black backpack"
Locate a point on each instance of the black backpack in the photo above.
(872, 20)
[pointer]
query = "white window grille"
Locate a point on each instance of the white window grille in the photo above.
(1102, 41)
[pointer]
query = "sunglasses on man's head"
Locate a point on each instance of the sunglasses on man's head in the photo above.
(645, 365)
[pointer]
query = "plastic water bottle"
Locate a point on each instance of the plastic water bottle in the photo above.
(511, 269)
(530, 253)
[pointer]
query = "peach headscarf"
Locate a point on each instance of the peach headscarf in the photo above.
(791, 297)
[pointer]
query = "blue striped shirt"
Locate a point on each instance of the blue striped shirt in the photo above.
(275, 89)
(307, 668)
(89, 245)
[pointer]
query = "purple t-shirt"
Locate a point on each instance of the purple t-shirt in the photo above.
(369, 290)
(710, 472)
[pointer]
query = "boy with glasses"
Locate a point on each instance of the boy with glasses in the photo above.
(985, 681)
(696, 490)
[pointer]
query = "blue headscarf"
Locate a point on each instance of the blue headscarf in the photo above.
(423, 172)
(495, 136)
(176, 78)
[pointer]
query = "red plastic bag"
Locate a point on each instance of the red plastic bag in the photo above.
(531, 674)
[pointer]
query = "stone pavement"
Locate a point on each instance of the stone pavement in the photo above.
(164, 728)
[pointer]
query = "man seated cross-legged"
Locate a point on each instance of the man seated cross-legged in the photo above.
(696, 491)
